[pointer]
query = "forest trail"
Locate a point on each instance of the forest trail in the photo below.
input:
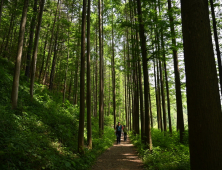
(119, 157)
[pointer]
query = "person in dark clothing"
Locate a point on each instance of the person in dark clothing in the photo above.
(118, 132)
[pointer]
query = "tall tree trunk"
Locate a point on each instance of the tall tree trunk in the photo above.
(52, 74)
(50, 46)
(19, 55)
(43, 59)
(167, 86)
(93, 90)
(113, 76)
(180, 122)
(128, 79)
(125, 86)
(161, 73)
(216, 43)
(76, 75)
(89, 128)
(82, 83)
(130, 110)
(109, 94)
(141, 104)
(100, 72)
(31, 34)
(70, 85)
(137, 53)
(96, 77)
(163, 97)
(67, 65)
(157, 96)
(5, 52)
(76, 82)
(145, 76)
(203, 99)
(168, 97)
(150, 104)
(34, 59)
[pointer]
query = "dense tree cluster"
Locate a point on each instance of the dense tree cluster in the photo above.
(127, 59)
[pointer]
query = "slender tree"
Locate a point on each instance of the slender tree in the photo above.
(163, 97)
(145, 76)
(43, 59)
(19, 55)
(89, 128)
(157, 97)
(82, 83)
(113, 76)
(67, 64)
(180, 122)
(100, 72)
(96, 76)
(34, 59)
(167, 86)
(50, 45)
(31, 34)
(56, 49)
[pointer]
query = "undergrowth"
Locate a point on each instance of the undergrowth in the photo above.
(167, 154)
(43, 134)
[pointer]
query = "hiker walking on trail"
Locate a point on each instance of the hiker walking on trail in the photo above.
(125, 132)
(118, 132)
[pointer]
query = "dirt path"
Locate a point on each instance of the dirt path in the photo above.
(119, 157)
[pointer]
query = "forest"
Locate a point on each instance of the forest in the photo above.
(70, 70)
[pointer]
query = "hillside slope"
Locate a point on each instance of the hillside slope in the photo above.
(41, 134)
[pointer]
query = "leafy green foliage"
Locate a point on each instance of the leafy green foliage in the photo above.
(43, 134)
(167, 153)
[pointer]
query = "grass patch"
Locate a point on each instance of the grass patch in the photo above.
(167, 153)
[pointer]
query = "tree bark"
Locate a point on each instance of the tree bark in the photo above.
(203, 99)
(96, 76)
(76, 75)
(157, 96)
(167, 86)
(50, 46)
(31, 34)
(70, 85)
(100, 73)
(163, 97)
(102, 69)
(89, 126)
(67, 65)
(113, 77)
(168, 97)
(82, 83)
(145, 76)
(34, 59)
(43, 59)
(180, 122)
(19, 55)
(52, 74)
(141, 104)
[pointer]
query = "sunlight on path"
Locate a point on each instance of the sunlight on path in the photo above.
(119, 157)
